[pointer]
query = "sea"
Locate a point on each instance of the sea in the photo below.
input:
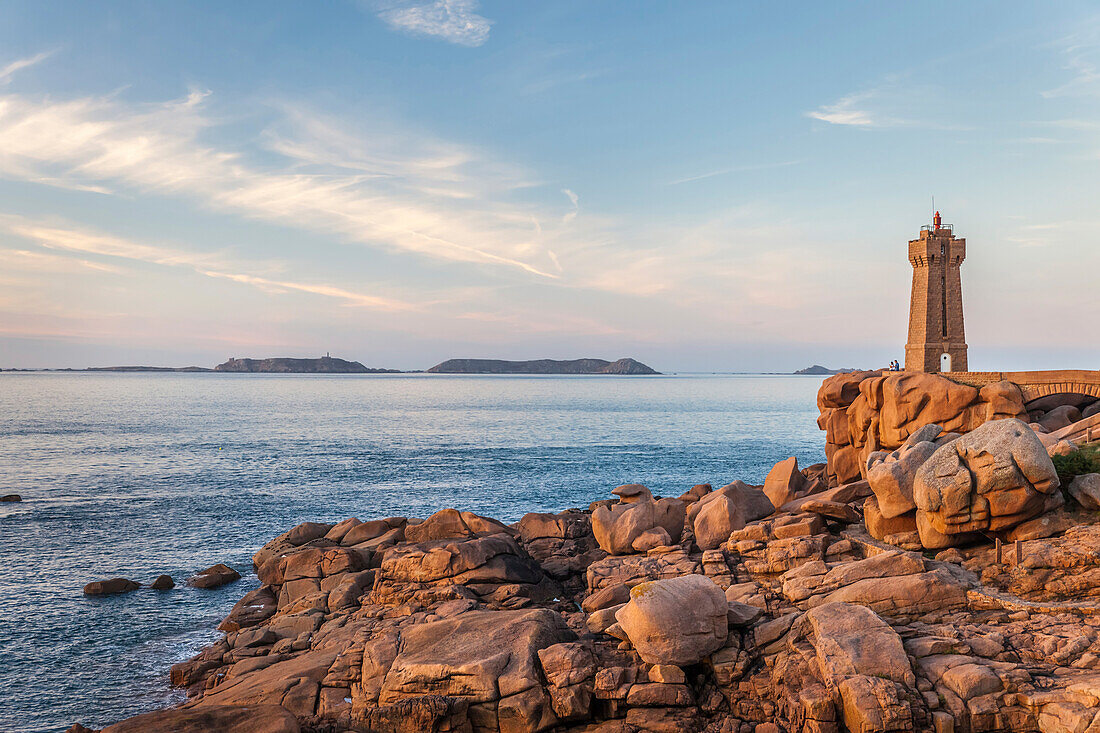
(138, 474)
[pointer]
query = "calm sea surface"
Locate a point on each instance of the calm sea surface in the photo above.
(142, 474)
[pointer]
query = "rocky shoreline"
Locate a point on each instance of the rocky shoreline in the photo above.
(936, 575)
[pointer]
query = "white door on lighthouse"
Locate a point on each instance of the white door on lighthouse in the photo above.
(945, 362)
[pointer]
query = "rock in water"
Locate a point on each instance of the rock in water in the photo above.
(675, 621)
(11, 497)
(307, 532)
(163, 582)
(110, 587)
(214, 577)
(256, 607)
(990, 479)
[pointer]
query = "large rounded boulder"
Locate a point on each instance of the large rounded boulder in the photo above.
(675, 621)
(718, 514)
(991, 479)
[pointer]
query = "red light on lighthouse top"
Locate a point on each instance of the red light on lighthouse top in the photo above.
(936, 220)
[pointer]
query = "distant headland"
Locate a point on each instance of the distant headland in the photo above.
(324, 365)
(141, 369)
(818, 370)
(542, 366)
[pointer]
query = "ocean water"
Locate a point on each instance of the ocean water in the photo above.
(141, 474)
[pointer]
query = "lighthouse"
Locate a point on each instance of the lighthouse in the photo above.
(937, 341)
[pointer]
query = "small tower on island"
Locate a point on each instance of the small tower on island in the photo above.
(937, 342)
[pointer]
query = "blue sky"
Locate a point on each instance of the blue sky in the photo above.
(703, 186)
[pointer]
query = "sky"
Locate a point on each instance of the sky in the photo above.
(704, 186)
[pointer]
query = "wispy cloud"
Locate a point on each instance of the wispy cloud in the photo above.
(550, 82)
(1085, 81)
(454, 21)
(409, 193)
(733, 169)
(51, 263)
(95, 243)
(574, 199)
(894, 102)
(1072, 124)
(328, 291)
(847, 110)
(1081, 50)
(741, 266)
(1039, 140)
(6, 72)
(1057, 233)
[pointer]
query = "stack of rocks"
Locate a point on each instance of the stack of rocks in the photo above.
(877, 604)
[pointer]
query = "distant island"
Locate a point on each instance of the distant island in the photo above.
(144, 369)
(333, 365)
(542, 366)
(818, 370)
(323, 365)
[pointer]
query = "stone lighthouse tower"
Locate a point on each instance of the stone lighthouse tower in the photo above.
(937, 342)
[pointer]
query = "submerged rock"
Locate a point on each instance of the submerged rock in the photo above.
(113, 586)
(163, 582)
(214, 577)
